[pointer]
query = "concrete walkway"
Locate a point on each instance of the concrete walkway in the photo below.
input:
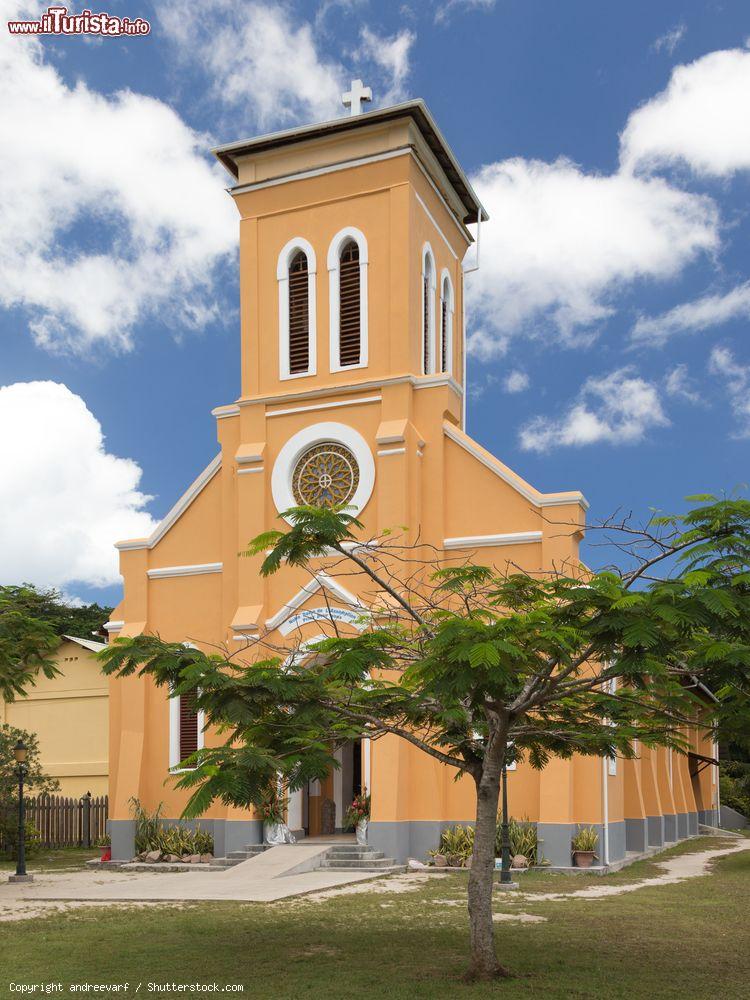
(277, 873)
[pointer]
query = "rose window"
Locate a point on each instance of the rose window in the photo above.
(326, 475)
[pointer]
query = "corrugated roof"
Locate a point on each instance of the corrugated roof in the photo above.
(95, 647)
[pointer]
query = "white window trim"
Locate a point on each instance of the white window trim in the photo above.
(283, 469)
(282, 277)
(445, 279)
(174, 735)
(427, 252)
(334, 274)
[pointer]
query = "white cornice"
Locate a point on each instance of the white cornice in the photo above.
(176, 512)
(198, 569)
(482, 541)
(114, 626)
(417, 381)
(491, 463)
(324, 406)
(220, 412)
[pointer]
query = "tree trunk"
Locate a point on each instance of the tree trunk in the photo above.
(484, 963)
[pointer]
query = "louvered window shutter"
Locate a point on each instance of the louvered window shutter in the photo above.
(426, 323)
(349, 306)
(188, 725)
(444, 335)
(299, 315)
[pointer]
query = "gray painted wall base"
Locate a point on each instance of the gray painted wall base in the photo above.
(229, 834)
(410, 838)
(636, 835)
(670, 827)
(655, 831)
(555, 842)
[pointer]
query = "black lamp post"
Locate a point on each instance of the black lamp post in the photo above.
(506, 881)
(19, 752)
(505, 877)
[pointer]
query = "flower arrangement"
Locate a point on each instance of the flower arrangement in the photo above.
(272, 806)
(358, 810)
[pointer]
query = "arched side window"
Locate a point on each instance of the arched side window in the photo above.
(446, 324)
(295, 273)
(428, 310)
(347, 285)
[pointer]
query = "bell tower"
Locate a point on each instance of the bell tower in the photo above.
(352, 238)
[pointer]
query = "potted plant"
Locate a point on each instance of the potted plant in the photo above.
(272, 809)
(358, 816)
(584, 846)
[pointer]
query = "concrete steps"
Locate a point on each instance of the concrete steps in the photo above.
(237, 857)
(352, 857)
(338, 858)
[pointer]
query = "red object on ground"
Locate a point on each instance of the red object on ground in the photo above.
(107, 854)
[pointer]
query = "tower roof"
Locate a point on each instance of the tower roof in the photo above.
(416, 110)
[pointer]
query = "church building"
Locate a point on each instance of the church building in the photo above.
(354, 255)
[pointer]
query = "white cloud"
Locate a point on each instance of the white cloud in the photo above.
(486, 346)
(736, 378)
(680, 385)
(64, 499)
(392, 55)
(127, 167)
(693, 317)
(260, 63)
(700, 119)
(669, 41)
(516, 381)
(619, 408)
(268, 67)
(446, 9)
(561, 244)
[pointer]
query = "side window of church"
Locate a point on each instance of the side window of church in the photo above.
(446, 326)
(188, 725)
(299, 315)
(349, 306)
(428, 284)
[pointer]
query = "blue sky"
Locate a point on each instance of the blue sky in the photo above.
(611, 144)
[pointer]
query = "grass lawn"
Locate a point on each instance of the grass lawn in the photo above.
(49, 860)
(688, 940)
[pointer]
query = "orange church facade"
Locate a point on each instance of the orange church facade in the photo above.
(353, 239)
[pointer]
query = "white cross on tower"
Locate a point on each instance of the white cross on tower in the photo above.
(353, 99)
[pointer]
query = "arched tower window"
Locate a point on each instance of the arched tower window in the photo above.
(347, 286)
(428, 311)
(299, 315)
(296, 273)
(446, 324)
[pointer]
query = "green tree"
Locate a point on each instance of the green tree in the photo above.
(26, 646)
(35, 781)
(475, 666)
(51, 607)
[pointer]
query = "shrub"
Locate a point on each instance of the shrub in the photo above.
(457, 844)
(523, 839)
(151, 835)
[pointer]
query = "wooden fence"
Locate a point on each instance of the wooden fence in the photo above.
(67, 822)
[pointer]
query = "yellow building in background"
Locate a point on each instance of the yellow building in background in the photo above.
(70, 716)
(353, 256)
